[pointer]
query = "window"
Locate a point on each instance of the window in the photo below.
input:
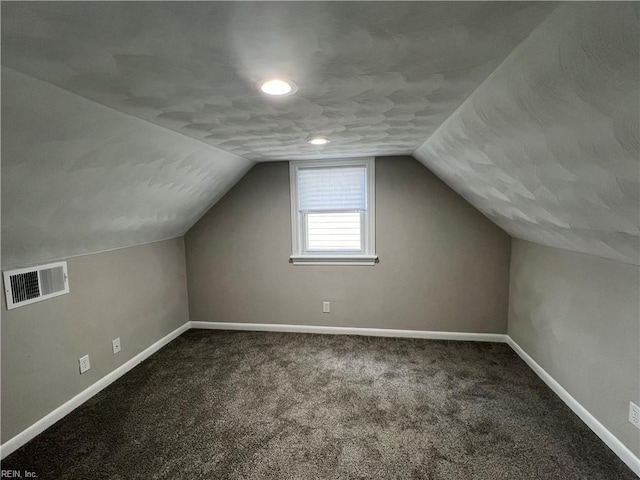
(333, 212)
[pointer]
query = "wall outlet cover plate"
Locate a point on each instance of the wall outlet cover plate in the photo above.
(634, 414)
(84, 363)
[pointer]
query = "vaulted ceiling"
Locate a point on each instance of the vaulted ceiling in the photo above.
(124, 121)
(548, 146)
(378, 78)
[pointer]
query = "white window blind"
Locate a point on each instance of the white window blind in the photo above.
(336, 189)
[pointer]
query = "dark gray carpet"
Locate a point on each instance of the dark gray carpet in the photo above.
(249, 405)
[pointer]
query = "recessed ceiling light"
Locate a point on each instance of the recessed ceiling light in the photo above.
(278, 87)
(318, 141)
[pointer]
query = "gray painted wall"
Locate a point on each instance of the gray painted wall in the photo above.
(137, 294)
(443, 266)
(578, 317)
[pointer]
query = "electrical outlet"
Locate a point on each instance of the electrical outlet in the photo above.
(326, 307)
(84, 363)
(116, 345)
(634, 414)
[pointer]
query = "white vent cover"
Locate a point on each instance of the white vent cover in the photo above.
(29, 285)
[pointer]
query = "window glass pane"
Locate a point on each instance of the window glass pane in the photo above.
(333, 231)
(332, 188)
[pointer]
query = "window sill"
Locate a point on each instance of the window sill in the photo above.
(334, 259)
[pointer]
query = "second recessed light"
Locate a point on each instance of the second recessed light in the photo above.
(318, 141)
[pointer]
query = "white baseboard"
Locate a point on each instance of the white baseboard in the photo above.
(626, 455)
(45, 422)
(370, 332)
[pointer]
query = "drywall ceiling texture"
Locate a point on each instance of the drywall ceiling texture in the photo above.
(376, 77)
(548, 146)
(78, 177)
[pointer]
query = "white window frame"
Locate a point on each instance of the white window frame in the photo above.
(299, 254)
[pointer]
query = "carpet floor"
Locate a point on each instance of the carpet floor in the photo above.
(255, 405)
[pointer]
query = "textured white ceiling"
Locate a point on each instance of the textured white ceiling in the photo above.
(548, 146)
(545, 142)
(78, 177)
(376, 77)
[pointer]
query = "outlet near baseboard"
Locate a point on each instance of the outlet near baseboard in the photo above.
(634, 414)
(84, 363)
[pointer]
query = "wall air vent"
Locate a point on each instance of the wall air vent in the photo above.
(29, 285)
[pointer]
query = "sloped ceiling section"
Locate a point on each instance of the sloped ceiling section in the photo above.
(376, 77)
(548, 145)
(78, 177)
